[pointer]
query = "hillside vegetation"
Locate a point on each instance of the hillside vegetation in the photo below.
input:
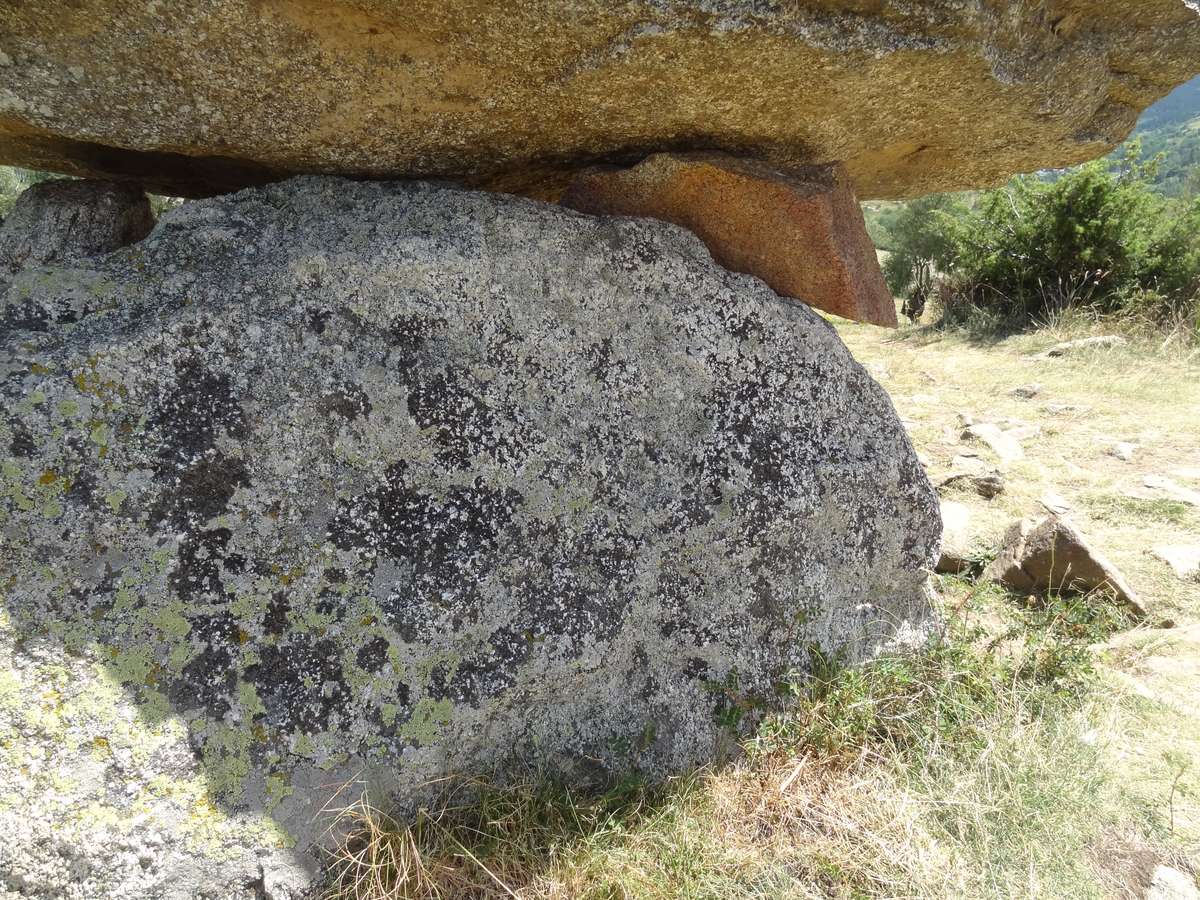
(1172, 127)
(1117, 239)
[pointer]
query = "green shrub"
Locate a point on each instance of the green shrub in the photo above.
(1097, 238)
(1094, 239)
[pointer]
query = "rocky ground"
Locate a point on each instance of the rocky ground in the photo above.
(1107, 435)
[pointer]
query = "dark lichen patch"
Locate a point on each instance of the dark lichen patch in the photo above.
(200, 566)
(22, 444)
(442, 538)
(574, 590)
(275, 621)
(301, 684)
(82, 487)
(24, 315)
(410, 333)
(197, 406)
(317, 319)
(371, 656)
(201, 492)
(748, 433)
(484, 674)
(208, 680)
(462, 422)
(347, 401)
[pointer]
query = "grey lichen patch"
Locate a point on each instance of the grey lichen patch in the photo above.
(398, 480)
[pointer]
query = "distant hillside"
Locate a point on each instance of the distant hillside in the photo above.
(1181, 105)
(1172, 127)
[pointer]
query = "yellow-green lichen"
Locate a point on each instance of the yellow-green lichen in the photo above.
(101, 434)
(171, 621)
(388, 713)
(131, 666)
(249, 700)
(427, 720)
(226, 760)
(278, 786)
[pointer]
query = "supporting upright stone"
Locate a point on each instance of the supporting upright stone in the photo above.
(67, 220)
(802, 232)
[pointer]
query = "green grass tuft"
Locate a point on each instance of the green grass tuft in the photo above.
(1120, 508)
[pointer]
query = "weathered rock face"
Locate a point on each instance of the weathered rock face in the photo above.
(1052, 555)
(328, 478)
(201, 97)
(62, 221)
(802, 233)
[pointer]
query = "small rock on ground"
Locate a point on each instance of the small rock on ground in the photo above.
(1170, 884)
(1122, 450)
(1052, 555)
(1184, 559)
(1024, 432)
(969, 464)
(1066, 409)
(1056, 504)
(1006, 447)
(987, 484)
(1173, 489)
(1026, 391)
(956, 538)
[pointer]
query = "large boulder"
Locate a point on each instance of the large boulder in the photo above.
(201, 97)
(331, 480)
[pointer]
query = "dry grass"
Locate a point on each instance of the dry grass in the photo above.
(1028, 757)
(1145, 394)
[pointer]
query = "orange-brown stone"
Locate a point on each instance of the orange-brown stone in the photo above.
(801, 232)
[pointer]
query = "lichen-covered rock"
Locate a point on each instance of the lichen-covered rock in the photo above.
(801, 232)
(63, 221)
(329, 479)
(914, 96)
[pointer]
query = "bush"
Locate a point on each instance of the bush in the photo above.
(921, 245)
(1094, 239)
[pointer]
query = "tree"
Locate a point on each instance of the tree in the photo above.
(921, 245)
